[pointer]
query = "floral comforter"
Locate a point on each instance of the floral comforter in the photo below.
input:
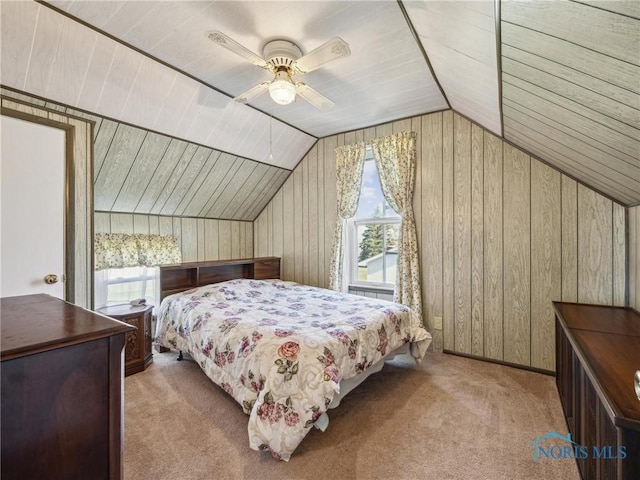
(281, 349)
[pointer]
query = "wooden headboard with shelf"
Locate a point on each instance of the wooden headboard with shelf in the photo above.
(185, 276)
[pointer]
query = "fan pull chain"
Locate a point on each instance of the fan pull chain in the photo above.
(271, 138)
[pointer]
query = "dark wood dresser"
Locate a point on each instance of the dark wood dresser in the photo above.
(597, 355)
(137, 349)
(62, 391)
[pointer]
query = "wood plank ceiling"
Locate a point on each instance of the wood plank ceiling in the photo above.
(139, 171)
(460, 41)
(384, 78)
(558, 78)
(53, 56)
(571, 88)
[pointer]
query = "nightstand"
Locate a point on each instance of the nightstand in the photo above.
(137, 347)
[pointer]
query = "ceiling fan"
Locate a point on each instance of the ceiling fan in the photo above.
(284, 59)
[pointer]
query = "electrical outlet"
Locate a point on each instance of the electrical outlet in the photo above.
(437, 323)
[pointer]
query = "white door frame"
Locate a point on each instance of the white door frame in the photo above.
(69, 197)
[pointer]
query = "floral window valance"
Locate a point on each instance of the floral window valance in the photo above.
(121, 250)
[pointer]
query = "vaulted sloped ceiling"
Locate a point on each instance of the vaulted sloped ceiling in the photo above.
(571, 88)
(557, 78)
(384, 78)
(138, 171)
(167, 176)
(53, 56)
(460, 40)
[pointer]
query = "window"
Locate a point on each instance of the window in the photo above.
(373, 234)
(121, 261)
(121, 285)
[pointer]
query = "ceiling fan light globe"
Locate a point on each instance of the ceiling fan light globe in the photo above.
(282, 89)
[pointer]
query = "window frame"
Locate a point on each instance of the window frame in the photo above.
(352, 242)
(352, 225)
(101, 298)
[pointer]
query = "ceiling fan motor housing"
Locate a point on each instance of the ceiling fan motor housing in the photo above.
(281, 53)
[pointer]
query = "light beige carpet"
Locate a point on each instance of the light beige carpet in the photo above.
(451, 418)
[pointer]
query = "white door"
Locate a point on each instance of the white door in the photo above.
(32, 206)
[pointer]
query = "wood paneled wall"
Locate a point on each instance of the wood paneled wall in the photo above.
(82, 193)
(501, 235)
(634, 257)
(200, 239)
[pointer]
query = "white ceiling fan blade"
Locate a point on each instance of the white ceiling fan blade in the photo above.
(252, 93)
(230, 44)
(332, 50)
(314, 97)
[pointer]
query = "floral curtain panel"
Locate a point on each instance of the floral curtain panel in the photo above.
(395, 158)
(121, 250)
(349, 166)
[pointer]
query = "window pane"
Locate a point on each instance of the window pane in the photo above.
(372, 203)
(391, 235)
(125, 292)
(377, 252)
(126, 284)
(129, 272)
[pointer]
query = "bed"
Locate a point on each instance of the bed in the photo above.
(286, 352)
